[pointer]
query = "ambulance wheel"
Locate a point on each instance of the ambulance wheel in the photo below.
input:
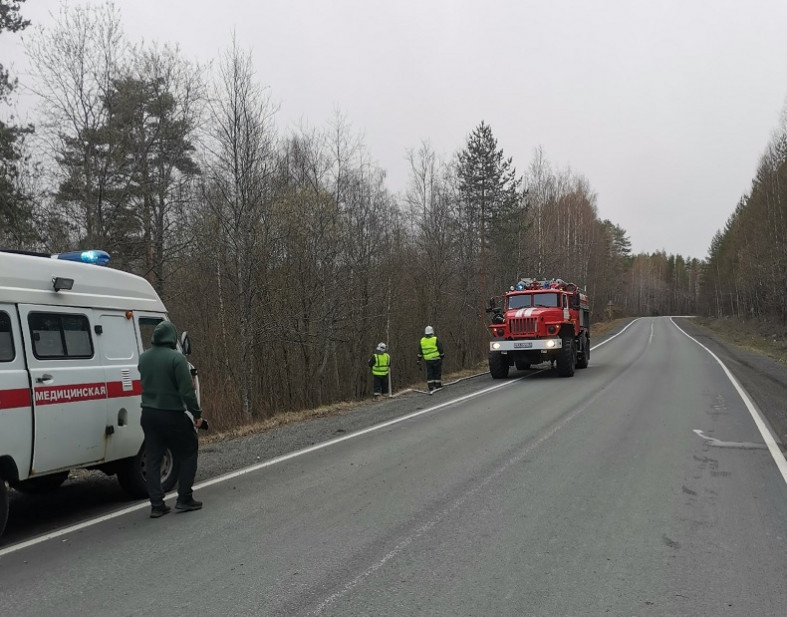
(498, 365)
(42, 484)
(132, 473)
(567, 358)
(3, 505)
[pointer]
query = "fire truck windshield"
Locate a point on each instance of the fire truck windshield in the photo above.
(546, 299)
(520, 301)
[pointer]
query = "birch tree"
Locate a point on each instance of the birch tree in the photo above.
(238, 190)
(74, 65)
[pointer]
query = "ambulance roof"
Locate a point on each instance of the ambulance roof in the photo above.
(27, 279)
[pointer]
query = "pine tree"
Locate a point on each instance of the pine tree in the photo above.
(490, 191)
(15, 204)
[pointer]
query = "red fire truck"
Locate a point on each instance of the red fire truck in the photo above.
(538, 321)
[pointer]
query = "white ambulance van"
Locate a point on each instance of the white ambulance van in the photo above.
(70, 338)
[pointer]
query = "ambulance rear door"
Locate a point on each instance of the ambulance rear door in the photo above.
(16, 412)
(118, 349)
(69, 387)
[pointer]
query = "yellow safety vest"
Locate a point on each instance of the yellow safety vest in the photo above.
(382, 362)
(429, 348)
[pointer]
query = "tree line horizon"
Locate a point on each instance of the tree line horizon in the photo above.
(286, 256)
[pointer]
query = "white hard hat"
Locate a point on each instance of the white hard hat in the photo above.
(429, 330)
(381, 347)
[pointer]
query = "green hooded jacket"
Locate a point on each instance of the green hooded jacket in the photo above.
(165, 374)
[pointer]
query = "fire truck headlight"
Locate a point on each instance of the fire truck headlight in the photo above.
(495, 345)
(552, 329)
(550, 344)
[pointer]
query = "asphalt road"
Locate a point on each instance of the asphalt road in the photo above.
(641, 486)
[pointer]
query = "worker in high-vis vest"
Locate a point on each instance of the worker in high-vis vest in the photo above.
(381, 368)
(430, 350)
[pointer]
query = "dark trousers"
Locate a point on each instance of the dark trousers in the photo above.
(381, 384)
(173, 430)
(434, 371)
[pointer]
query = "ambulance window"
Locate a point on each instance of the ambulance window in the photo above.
(6, 340)
(146, 327)
(59, 336)
(117, 342)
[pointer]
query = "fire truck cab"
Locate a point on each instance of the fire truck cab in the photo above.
(70, 338)
(538, 321)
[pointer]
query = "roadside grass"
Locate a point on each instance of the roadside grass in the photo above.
(756, 335)
(337, 409)
(334, 409)
(603, 327)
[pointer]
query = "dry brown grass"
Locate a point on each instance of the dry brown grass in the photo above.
(337, 409)
(602, 327)
(282, 419)
(758, 335)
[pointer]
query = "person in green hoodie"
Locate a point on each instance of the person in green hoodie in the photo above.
(167, 393)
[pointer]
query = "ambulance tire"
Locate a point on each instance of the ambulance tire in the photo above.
(3, 505)
(131, 474)
(42, 484)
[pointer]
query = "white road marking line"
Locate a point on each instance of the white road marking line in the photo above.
(275, 461)
(605, 341)
(770, 441)
(448, 510)
(236, 474)
(718, 443)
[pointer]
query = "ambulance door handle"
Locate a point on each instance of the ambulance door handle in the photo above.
(45, 378)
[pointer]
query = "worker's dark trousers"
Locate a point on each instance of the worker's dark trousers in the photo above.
(434, 370)
(381, 384)
(173, 430)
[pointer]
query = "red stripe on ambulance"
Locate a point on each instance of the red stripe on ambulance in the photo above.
(120, 389)
(52, 395)
(11, 399)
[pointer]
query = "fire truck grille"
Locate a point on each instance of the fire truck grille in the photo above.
(523, 325)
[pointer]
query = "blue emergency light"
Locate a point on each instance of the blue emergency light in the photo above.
(99, 258)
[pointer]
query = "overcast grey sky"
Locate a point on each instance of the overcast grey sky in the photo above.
(665, 106)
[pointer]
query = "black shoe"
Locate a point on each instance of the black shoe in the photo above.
(188, 505)
(159, 511)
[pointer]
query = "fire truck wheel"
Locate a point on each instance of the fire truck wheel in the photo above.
(567, 359)
(583, 357)
(42, 484)
(3, 505)
(131, 474)
(498, 365)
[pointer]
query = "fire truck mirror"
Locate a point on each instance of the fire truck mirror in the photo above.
(574, 301)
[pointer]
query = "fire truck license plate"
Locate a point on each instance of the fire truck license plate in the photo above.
(523, 345)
